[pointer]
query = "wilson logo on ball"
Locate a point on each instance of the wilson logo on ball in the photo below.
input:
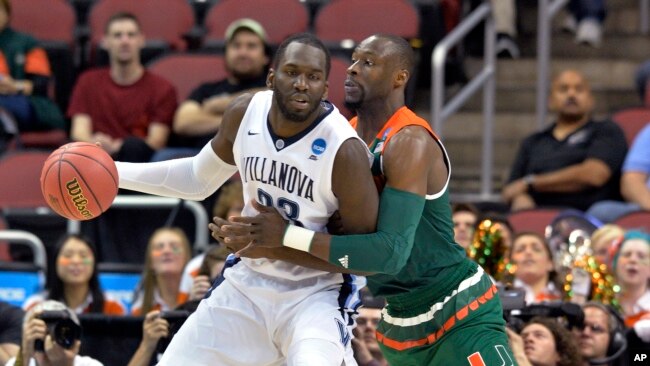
(76, 193)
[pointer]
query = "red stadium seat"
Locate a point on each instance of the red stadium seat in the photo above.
(46, 20)
(20, 186)
(535, 220)
(51, 139)
(280, 18)
(336, 93)
(188, 71)
(357, 19)
(639, 220)
(631, 121)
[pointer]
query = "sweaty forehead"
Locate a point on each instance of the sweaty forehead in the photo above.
(377, 46)
(303, 55)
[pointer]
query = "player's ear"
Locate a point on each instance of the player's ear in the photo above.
(401, 78)
(269, 78)
(327, 89)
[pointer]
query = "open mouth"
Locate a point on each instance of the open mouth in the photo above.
(299, 102)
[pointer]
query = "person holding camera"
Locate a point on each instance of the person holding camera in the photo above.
(51, 337)
(154, 328)
(11, 318)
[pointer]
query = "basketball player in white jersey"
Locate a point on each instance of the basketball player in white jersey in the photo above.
(294, 151)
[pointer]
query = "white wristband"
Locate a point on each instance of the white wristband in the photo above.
(298, 238)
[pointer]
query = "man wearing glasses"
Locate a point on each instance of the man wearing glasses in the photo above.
(600, 340)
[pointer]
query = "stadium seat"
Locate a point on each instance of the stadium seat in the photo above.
(280, 18)
(631, 121)
(50, 139)
(188, 71)
(535, 220)
(639, 220)
(20, 180)
(165, 24)
(53, 23)
(336, 93)
(22, 203)
(354, 20)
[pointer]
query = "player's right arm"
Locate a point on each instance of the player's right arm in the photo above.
(193, 178)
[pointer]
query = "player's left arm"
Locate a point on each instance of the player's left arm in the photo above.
(411, 159)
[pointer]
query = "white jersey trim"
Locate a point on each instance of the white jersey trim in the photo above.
(429, 315)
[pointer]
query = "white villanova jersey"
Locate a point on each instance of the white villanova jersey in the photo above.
(295, 176)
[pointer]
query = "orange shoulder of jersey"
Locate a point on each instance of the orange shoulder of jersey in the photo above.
(402, 118)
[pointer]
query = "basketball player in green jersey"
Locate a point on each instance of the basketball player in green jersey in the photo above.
(442, 308)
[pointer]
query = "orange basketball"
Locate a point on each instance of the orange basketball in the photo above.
(79, 181)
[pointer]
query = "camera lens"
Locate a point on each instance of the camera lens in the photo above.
(66, 333)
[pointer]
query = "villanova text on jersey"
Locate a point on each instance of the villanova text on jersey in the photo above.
(280, 175)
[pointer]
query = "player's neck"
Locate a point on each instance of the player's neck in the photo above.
(372, 117)
(285, 128)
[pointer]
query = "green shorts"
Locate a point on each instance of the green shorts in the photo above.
(464, 327)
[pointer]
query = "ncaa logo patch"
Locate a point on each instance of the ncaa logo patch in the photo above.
(318, 146)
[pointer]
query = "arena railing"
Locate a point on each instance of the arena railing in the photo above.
(485, 79)
(31, 240)
(202, 234)
(19, 280)
(547, 10)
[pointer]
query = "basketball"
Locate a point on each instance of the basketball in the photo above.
(79, 181)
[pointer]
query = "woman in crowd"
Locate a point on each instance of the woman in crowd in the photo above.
(73, 279)
(167, 253)
(603, 240)
(631, 264)
(534, 270)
